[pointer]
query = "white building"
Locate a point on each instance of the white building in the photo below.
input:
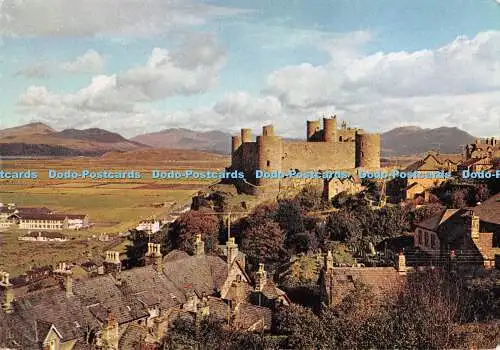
(77, 221)
(152, 226)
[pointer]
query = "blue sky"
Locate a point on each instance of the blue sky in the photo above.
(141, 66)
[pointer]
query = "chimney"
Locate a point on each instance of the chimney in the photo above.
(261, 278)
(63, 270)
(112, 264)
(110, 333)
(231, 251)
(199, 245)
(426, 196)
(202, 309)
(7, 293)
(473, 226)
(236, 295)
(153, 256)
(329, 260)
(191, 302)
(401, 263)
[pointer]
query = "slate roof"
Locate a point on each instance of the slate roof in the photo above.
(101, 294)
(68, 315)
(435, 221)
(382, 280)
(471, 161)
(41, 216)
(489, 210)
(128, 297)
(203, 273)
(271, 291)
(249, 314)
(151, 287)
(441, 159)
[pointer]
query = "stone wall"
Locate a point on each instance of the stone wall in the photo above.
(318, 155)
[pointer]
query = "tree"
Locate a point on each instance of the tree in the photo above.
(482, 193)
(426, 212)
(343, 226)
(289, 216)
(192, 223)
(422, 315)
(264, 241)
(458, 199)
(299, 326)
(211, 333)
(348, 321)
(310, 198)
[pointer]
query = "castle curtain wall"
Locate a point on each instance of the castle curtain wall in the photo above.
(318, 155)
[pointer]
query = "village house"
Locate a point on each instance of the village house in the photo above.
(477, 164)
(334, 186)
(129, 308)
(338, 282)
(414, 187)
(468, 234)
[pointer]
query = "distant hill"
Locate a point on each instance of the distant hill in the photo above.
(210, 141)
(413, 140)
(93, 134)
(408, 140)
(28, 129)
(38, 139)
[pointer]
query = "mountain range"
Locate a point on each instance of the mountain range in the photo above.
(38, 139)
(413, 140)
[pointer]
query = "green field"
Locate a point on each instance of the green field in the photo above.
(113, 206)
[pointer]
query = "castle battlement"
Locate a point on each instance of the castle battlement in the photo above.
(329, 148)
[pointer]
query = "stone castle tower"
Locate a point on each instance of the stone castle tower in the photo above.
(330, 148)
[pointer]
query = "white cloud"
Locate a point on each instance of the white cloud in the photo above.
(192, 68)
(455, 85)
(90, 62)
(110, 17)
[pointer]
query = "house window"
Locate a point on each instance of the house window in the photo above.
(433, 242)
(420, 240)
(426, 239)
(268, 163)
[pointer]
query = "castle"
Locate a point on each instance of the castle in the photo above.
(330, 148)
